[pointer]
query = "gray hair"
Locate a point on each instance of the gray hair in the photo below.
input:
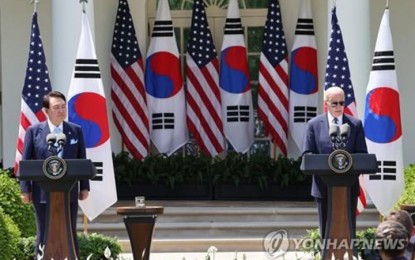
(331, 91)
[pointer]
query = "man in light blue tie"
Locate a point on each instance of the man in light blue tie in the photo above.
(36, 147)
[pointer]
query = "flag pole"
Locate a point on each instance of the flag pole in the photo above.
(85, 225)
(83, 2)
(85, 222)
(387, 4)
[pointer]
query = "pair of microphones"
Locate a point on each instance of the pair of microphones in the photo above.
(339, 135)
(56, 143)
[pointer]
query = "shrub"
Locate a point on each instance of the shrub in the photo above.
(161, 169)
(365, 243)
(94, 244)
(235, 168)
(12, 205)
(26, 247)
(408, 196)
(9, 237)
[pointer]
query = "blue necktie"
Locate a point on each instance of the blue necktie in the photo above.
(57, 131)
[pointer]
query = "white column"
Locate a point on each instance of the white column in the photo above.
(354, 20)
(66, 29)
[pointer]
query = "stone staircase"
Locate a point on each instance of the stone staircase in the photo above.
(194, 226)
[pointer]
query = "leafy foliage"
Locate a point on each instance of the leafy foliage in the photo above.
(96, 244)
(26, 247)
(235, 168)
(9, 237)
(365, 243)
(161, 169)
(12, 205)
(408, 196)
(258, 168)
(93, 243)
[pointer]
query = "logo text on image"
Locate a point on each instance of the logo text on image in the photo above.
(276, 243)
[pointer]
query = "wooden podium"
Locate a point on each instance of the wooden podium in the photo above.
(140, 223)
(339, 181)
(57, 176)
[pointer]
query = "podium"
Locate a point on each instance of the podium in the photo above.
(339, 171)
(140, 227)
(57, 177)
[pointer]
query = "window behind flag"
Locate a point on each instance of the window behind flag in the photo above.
(253, 13)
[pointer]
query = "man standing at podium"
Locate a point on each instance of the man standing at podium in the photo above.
(317, 141)
(36, 147)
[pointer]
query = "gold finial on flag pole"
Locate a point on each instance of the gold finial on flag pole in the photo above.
(387, 4)
(83, 2)
(34, 2)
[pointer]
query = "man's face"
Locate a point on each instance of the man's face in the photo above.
(57, 110)
(335, 104)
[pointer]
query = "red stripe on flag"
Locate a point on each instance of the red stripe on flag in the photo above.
(128, 94)
(138, 83)
(275, 135)
(271, 104)
(130, 121)
(130, 146)
(211, 82)
(195, 107)
(197, 137)
(205, 99)
(274, 86)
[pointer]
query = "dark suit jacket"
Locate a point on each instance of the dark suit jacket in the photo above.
(317, 140)
(36, 147)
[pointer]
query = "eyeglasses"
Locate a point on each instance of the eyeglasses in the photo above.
(337, 103)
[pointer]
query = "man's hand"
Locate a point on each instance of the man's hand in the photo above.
(26, 197)
(83, 194)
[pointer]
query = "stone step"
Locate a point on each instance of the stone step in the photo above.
(194, 226)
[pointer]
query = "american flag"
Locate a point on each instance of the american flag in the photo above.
(36, 85)
(338, 74)
(337, 69)
(127, 92)
(273, 79)
(203, 94)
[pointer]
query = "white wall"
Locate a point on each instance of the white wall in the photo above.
(15, 27)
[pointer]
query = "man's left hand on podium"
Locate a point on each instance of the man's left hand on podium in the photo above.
(83, 194)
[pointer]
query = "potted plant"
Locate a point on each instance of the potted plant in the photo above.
(407, 199)
(259, 177)
(163, 177)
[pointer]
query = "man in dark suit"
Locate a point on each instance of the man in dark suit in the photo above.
(317, 140)
(36, 147)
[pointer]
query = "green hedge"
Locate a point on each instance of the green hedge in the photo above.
(9, 237)
(11, 203)
(235, 169)
(408, 196)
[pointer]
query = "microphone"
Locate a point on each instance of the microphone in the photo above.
(61, 139)
(344, 132)
(334, 132)
(51, 140)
